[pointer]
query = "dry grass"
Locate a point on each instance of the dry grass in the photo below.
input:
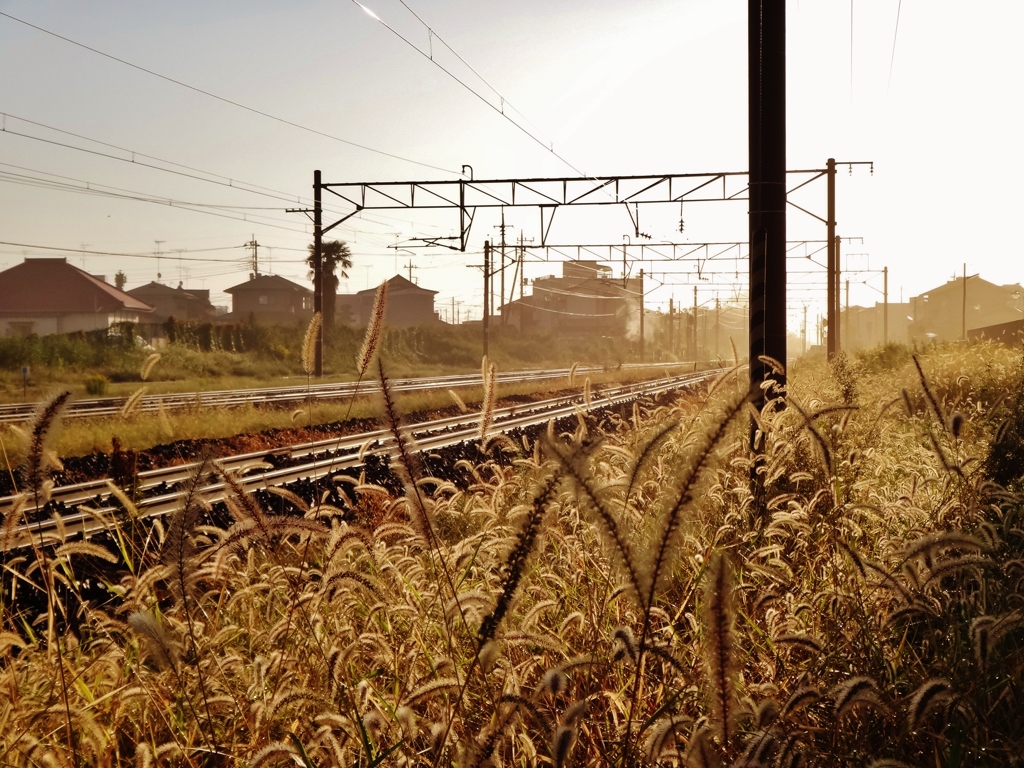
(612, 596)
(143, 430)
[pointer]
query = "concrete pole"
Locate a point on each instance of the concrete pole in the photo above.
(318, 274)
(846, 330)
(963, 312)
(833, 300)
(766, 84)
(885, 300)
(671, 328)
(487, 290)
(641, 315)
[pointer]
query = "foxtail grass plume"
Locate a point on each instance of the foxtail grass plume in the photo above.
(165, 421)
(309, 343)
(930, 695)
(147, 367)
(157, 643)
(40, 460)
(11, 520)
(459, 402)
(371, 341)
(719, 618)
(132, 403)
(487, 405)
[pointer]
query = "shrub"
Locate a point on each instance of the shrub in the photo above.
(97, 385)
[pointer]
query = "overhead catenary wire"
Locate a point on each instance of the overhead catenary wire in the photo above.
(218, 178)
(239, 105)
(226, 181)
(549, 147)
(504, 102)
(105, 190)
(895, 33)
(171, 256)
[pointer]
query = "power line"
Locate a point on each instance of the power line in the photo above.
(896, 32)
(228, 181)
(103, 190)
(504, 102)
(163, 256)
(228, 101)
(549, 147)
(30, 181)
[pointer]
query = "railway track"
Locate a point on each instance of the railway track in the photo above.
(73, 509)
(279, 396)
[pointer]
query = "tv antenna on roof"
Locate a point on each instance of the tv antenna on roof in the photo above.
(158, 244)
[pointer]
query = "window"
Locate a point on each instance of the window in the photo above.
(264, 300)
(20, 329)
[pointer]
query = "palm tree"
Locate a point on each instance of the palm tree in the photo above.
(335, 253)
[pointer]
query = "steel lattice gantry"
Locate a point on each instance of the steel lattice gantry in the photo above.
(548, 194)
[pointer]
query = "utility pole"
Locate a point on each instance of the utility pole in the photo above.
(833, 300)
(487, 275)
(963, 312)
(766, 83)
(641, 315)
(804, 350)
(158, 254)
(255, 250)
(502, 227)
(671, 323)
(846, 330)
(454, 316)
(885, 304)
(839, 271)
(718, 325)
(694, 347)
(410, 267)
(522, 264)
(318, 274)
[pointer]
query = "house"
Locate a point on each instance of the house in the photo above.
(180, 303)
(269, 299)
(950, 311)
(586, 299)
(44, 296)
(861, 327)
(407, 304)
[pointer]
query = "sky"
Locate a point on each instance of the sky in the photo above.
(587, 87)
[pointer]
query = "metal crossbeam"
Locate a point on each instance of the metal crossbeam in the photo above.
(547, 194)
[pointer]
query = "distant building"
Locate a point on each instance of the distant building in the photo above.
(943, 313)
(44, 296)
(861, 327)
(407, 304)
(586, 299)
(269, 299)
(1011, 334)
(180, 303)
(940, 314)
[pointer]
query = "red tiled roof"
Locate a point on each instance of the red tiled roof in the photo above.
(54, 287)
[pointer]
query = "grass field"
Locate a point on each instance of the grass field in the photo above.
(142, 430)
(274, 359)
(614, 595)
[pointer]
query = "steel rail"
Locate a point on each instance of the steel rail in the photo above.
(234, 398)
(347, 452)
